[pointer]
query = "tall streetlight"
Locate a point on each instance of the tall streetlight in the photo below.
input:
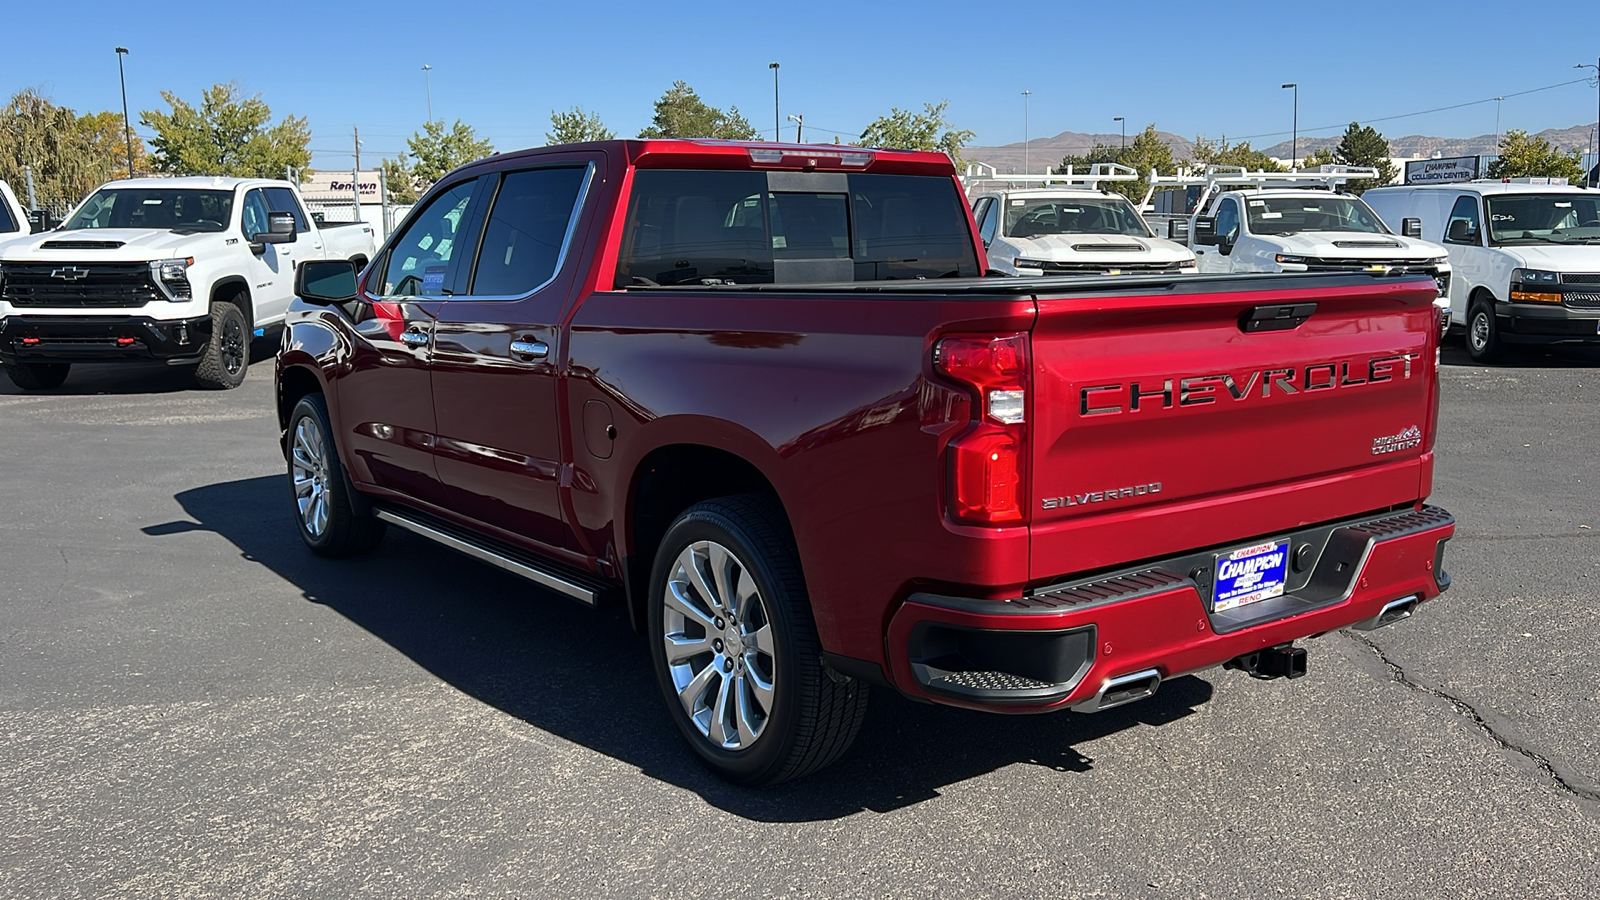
(799, 121)
(1497, 102)
(1294, 142)
(777, 120)
(127, 127)
(1025, 161)
(427, 83)
(1596, 144)
(1124, 124)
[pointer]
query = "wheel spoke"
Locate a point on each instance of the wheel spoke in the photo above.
(690, 694)
(719, 714)
(722, 564)
(761, 690)
(690, 561)
(749, 727)
(685, 607)
(748, 597)
(681, 648)
(761, 638)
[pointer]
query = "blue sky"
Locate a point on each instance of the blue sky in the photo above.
(503, 67)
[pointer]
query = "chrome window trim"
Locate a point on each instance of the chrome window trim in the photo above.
(561, 258)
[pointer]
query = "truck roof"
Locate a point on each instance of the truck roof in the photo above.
(667, 153)
(1046, 193)
(1495, 187)
(192, 182)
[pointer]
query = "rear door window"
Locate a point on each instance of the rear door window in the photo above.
(691, 227)
(526, 233)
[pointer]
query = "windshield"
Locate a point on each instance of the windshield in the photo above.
(1091, 215)
(1313, 212)
(176, 209)
(1544, 219)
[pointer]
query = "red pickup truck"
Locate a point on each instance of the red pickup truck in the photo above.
(764, 396)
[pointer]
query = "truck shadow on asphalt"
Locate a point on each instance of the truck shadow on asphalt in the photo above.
(1528, 356)
(585, 676)
(143, 376)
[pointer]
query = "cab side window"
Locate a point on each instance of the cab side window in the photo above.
(254, 219)
(281, 199)
(988, 221)
(1228, 222)
(526, 232)
(1463, 226)
(419, 259)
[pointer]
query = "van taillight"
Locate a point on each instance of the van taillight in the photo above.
(988, 464)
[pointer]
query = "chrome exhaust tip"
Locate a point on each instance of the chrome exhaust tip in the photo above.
(1392, 612)
(1121, 690)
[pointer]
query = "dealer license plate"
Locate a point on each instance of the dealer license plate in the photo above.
(1250, 575)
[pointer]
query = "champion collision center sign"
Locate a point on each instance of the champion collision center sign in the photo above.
(1442, 171)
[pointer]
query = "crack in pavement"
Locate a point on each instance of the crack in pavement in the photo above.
(1588, 798)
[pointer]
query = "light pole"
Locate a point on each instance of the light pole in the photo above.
(1025, 160)
(1596, 144)
(1294, 142)
(799, 121)
(1497, 102)
(777, 120)
(427, 84)
(127, 127)
(1119, 120)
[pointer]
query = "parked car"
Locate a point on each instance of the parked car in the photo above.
(757, 394)
(1076, 227)
(182, 270)
(1532, 276)
(1296, 222)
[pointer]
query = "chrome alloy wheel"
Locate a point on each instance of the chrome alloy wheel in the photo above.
(719, 645)
(308, 467)
(1479, 334)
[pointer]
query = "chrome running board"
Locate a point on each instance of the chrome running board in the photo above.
(524, 568)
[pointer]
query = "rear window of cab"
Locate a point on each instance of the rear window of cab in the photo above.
(704, 227)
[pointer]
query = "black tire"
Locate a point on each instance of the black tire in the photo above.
(815, 713)
(227, 356)
(1483, 333)
(345, 532)
(38, 376)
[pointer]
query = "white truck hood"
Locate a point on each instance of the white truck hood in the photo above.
(138, 245)
(1354, 245)
(1100, 248)
(1553, 258)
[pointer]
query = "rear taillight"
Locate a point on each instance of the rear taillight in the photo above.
(988, 464)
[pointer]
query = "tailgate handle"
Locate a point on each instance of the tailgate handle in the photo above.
(1285, 317)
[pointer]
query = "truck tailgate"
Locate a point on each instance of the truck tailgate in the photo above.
(1163, 420)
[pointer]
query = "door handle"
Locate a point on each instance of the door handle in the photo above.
(413, 338)
(530, 349)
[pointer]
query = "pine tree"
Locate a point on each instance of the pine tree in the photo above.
(1365, 147)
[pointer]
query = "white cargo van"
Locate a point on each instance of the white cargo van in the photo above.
(1525, 255)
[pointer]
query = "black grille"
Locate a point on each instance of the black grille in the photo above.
(1581, 278)
(1582, 301)
(80, 245)
(118, 285)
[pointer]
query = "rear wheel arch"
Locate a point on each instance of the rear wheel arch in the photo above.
(665, 482)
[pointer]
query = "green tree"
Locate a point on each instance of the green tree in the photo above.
(228, 134)
(928, 130)
(1364, 147)
(400, 181)
(680, 113)
(435, 151)
(1221, 153)
(1322, 156)
(1148, 151)
(1524, 155)
(70, 155)
(576, 126)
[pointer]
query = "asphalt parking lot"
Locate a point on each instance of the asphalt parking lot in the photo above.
(193, 706)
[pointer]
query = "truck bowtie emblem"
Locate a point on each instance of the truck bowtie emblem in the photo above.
(70, 273)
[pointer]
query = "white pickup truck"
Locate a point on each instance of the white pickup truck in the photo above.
(1073, 226)
(183, 270)
(1296, 222)
(13, 218)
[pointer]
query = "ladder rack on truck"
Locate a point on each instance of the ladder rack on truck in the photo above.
(1214, 179)
(981, 173)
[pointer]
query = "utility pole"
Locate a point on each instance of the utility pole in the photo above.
(799, 121)
(355, 176)
(777, 118)
(1124, 123)
(1025, 160)
(427, 83)
(1596, 144)
(127, 126)
(1294, 142)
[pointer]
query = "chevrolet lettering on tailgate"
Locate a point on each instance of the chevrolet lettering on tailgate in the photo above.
(1199, 390)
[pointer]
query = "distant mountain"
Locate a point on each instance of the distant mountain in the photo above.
(1048, 151)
